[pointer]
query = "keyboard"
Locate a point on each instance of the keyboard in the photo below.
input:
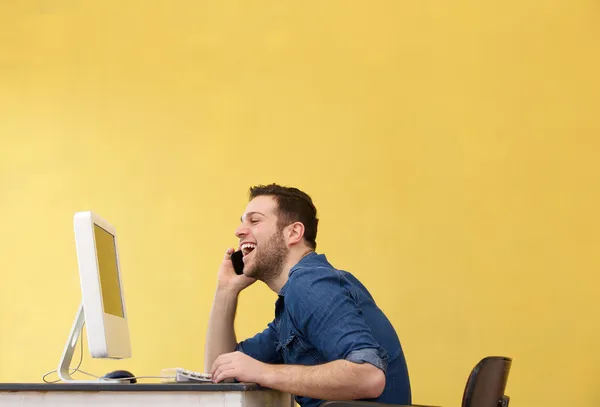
(180, 374)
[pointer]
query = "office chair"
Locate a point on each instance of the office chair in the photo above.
(487, 382)
(485, 387)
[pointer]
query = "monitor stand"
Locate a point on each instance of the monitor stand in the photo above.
(67, 356)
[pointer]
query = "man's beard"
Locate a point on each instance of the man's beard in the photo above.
(269, 258)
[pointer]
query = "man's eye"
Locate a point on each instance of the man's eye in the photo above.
(254, 221)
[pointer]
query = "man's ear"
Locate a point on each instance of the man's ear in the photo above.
(295, 233)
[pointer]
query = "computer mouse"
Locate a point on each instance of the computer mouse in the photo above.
(120, 374)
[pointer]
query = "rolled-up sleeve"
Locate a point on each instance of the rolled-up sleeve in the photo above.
(372, 356)
(326, 313)
(262, 346)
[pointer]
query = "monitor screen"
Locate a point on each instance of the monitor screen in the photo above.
(109, 277)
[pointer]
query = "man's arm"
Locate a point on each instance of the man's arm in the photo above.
(220, 336)
(337, 380)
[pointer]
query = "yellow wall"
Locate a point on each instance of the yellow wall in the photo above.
(451, 149)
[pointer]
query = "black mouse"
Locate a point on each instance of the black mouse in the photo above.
(120, 374)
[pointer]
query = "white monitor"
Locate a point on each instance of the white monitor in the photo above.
(103, 302)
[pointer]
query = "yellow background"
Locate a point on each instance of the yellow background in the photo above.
(450, 147)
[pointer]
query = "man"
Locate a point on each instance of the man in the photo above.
(329, 340)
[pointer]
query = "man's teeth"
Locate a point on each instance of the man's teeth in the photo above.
(248, 247)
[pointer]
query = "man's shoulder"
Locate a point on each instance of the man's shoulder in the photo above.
(312, 266)
(311, 282)
(313, 277)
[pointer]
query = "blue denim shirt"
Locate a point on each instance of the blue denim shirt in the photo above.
(324, 314)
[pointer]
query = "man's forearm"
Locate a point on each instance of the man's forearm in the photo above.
(220, 337)
(338, 380)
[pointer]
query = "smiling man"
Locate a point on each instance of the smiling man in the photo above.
(328, 340)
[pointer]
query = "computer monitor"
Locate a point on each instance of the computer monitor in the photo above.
(102, 306)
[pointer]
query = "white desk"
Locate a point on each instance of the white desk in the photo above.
(150, 395)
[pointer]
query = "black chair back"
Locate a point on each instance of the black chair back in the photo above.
(487, 383)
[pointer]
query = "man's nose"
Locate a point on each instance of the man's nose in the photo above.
(241, 231)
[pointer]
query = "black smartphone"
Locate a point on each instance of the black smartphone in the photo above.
(238, 262)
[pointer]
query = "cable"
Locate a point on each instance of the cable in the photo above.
(75, 370)
(78, 364)
(137, 377)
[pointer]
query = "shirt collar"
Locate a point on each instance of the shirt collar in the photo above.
(304, 261)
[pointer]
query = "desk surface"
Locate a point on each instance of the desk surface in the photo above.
(141, 395)
(163, 387)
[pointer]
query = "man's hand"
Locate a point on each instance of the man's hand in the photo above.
(239, 366)
(227, 278)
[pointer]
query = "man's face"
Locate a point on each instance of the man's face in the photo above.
(261, 241)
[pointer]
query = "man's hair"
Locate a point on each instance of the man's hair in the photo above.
(293, 205)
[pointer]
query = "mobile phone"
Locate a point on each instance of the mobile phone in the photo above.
(238, 263)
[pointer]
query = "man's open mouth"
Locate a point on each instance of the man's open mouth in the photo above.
(247, 248)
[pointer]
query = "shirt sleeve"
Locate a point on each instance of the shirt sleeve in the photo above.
(262, 346)
(326, 313)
